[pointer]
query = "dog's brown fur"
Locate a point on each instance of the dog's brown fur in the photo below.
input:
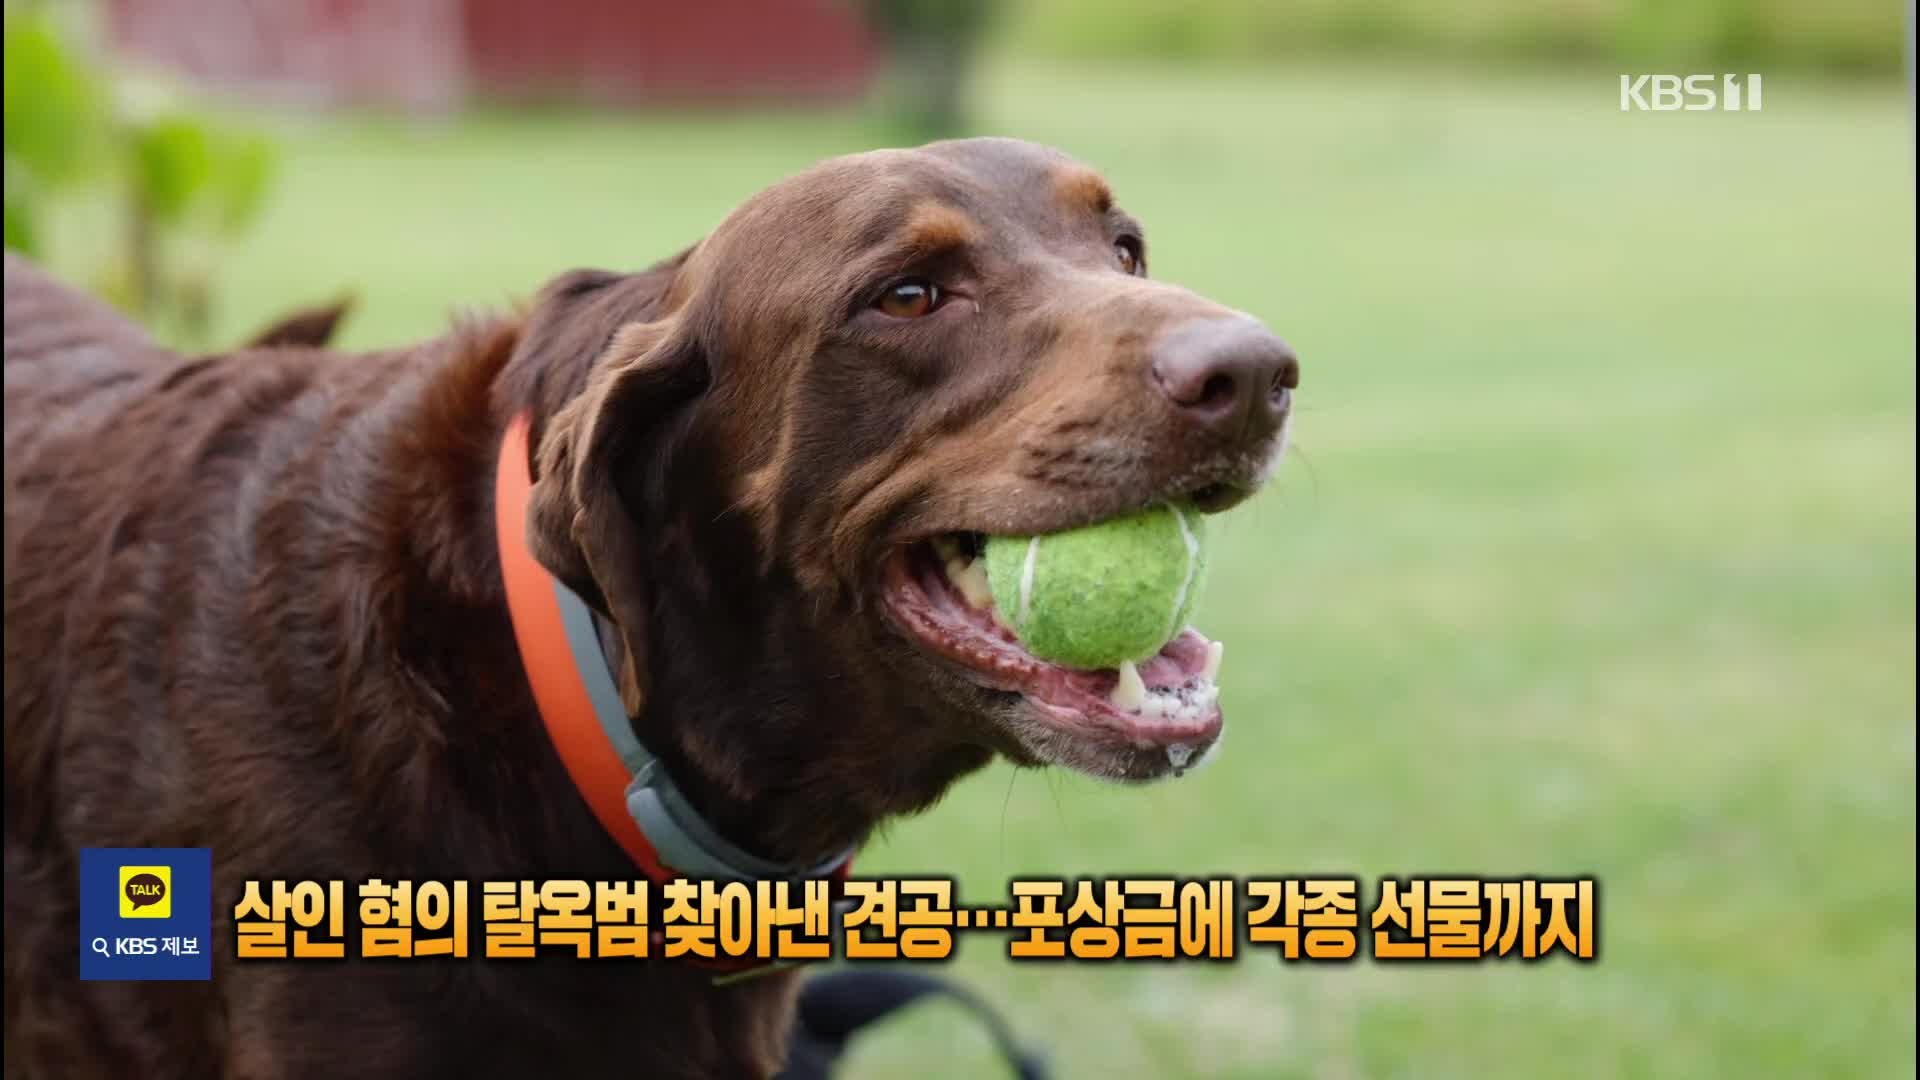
(252, 599)
(310, 326)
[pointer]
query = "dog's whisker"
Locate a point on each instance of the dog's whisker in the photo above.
(1005, 800)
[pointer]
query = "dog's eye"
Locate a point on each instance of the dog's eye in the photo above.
(1128, 249)
(910, 299)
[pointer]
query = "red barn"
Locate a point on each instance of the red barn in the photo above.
(439, 53)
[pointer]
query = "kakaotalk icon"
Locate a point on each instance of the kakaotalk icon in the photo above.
(143, 892)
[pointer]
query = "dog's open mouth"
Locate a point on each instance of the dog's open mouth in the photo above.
(937, 592)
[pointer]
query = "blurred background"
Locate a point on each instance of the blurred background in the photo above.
(1595, 554)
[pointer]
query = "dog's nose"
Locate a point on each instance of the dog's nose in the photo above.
(1230, 376)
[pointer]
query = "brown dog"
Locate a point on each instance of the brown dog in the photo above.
(253, 600)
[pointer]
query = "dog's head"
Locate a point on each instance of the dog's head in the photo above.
(792, 434)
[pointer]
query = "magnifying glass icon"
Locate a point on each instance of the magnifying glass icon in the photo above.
(100, 946)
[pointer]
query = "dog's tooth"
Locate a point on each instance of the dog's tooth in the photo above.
(970, 577)
(1178, 754)
(1130, 692)
(1211, 669)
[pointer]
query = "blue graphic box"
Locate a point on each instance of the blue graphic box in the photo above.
(146, 913)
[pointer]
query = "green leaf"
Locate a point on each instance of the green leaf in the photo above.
(55, 110)
(244, 169)
(21, 233)
(172, 165)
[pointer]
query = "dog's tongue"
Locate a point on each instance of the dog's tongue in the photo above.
(1183, 660)
(1168, 691)
(1162, 697)
(1188, 656)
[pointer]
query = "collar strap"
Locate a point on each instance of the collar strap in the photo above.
(626, 786)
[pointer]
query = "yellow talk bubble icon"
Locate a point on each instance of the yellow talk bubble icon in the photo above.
(146, 892)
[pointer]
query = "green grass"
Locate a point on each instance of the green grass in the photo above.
(1596, 555)
(1856, 37)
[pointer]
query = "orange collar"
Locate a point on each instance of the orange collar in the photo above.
(627, 788)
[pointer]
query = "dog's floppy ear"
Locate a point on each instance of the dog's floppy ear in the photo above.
(582, 523)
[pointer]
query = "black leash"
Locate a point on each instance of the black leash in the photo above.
(835, 1006)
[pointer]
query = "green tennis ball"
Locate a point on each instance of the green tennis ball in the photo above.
(1092, 597)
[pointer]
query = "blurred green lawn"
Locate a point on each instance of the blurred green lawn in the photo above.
(1595, 555)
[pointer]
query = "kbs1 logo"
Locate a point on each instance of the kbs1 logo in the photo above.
(1690, 93)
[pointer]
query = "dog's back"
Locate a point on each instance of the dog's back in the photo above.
(72, 364)
(174, 643)
(69, 358)
(250, 598)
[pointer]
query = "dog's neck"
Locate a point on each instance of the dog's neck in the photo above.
(564, 648)
(790, 764)
(443, 457)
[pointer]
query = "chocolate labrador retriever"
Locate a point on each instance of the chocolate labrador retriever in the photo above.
(254, 601)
